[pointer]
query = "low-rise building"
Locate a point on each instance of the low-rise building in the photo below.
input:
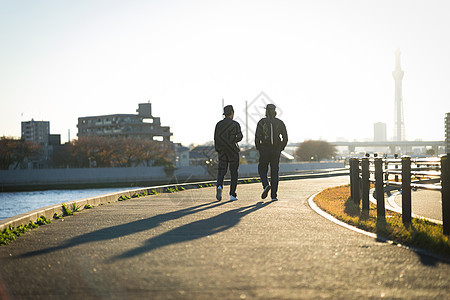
(39, 132)
(203, 155)
(181, 155)
(142, 125)
(36, 131)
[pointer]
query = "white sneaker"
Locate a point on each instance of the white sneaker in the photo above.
(265, 192)
(233, 198)
(274, 199)
(219, 193)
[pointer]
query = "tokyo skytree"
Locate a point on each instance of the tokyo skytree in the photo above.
(399, 122)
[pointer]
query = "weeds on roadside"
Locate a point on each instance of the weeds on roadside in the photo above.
(123, 198)
(10, 234)
(66, 210)
(75, 208)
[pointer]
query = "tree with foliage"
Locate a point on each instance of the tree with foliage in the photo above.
(430, 152)
(15, 151)
(315, 150)
(116, 152)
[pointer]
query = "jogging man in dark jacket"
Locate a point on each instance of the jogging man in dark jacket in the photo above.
(270, 139)
(226, 136)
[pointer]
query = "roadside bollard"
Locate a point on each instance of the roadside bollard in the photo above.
(354, 180)
(357, 181)
(445, 193)
(365, 183)
(352, 183)
(379, 187)
(406, 190)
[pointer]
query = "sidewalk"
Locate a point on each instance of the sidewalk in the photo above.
(186, 245)
(424, 203)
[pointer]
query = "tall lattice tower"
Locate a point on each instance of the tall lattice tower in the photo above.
(399, 122)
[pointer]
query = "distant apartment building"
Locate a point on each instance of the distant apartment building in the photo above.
(36, 131)
(379, 132)
(142, 125)
(39, 132)
(447, 132)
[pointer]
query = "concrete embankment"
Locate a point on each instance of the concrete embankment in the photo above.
(38, 179)
(50, 211)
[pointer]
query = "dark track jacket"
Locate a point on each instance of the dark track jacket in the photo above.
(226, 136)
(271, 132)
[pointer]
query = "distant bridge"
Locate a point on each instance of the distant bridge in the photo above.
(392, 145)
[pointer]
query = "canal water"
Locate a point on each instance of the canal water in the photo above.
(12, 204)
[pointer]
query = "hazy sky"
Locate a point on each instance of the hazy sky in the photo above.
(326, 64)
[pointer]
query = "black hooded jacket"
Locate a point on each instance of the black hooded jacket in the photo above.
(271, 132)
(226, 136)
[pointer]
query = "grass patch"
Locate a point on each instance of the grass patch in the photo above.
(422, 234)
(123, 198)
(9, 234)
(66, 210)
(75, 208)
(139, 195)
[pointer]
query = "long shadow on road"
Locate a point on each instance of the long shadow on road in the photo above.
(122, 230)
(195, 230)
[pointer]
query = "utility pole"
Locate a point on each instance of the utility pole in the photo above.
(223, 104)
(246, 121)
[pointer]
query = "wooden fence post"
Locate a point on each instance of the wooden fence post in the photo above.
(379, 187)
(406, 190)
(357, 182)
(354, 180)
(445, 193)
(352, 184)
(365, 183)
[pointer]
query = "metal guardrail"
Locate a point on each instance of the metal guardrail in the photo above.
(416, 173)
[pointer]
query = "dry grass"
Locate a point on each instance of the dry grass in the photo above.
(423, 234)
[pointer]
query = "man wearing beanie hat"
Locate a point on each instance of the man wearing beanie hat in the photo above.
(226, 136)
(270, 139)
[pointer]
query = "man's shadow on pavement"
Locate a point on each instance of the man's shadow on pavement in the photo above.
(122, 230)
(194, 230)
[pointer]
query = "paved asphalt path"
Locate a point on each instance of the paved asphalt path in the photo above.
(425, 203)
(186, 245)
